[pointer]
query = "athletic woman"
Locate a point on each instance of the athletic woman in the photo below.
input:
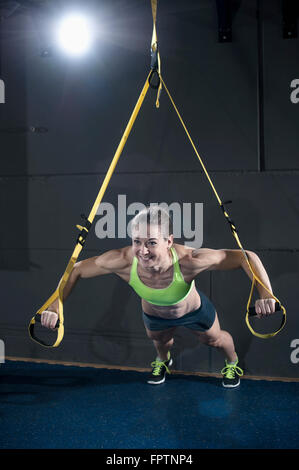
(162, 273)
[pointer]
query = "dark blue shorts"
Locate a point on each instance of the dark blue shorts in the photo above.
(201, 319)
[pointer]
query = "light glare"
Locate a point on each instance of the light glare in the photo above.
(74, 34)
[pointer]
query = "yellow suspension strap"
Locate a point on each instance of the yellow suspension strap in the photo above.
(155, 56)
(250, 310)
(84, 230)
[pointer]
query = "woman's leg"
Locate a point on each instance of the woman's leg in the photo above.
(163, 341)
(219, 339)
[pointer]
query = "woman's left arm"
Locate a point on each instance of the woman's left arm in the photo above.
(233, 259)
(265, 305)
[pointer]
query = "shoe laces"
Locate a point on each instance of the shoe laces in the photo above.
(157, 366)
(230, 370)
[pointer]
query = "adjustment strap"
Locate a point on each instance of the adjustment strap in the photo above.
(226, 215)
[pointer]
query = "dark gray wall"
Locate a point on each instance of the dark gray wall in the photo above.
(48, 179)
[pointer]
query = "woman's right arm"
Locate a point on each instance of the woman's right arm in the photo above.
(113, 261)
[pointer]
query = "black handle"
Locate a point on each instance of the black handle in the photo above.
(155, 86)
(37, 318)
(252, 312)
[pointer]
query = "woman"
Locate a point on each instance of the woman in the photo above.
(162, 273)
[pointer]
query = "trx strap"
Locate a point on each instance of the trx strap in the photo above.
(250, 311)
(58, 294)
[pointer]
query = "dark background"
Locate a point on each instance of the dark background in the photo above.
(60, 125)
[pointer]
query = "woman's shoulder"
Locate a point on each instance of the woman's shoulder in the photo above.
(182, 249)
(119, 258)
(190, 257)
(184, 252)
(126, 253)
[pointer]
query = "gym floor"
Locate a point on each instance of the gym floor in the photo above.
(47, 406)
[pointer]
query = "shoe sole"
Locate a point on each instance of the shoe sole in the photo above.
(156, 383)
(162, 380)
(230, 385)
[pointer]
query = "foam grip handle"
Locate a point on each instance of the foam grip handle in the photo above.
(252, 312)
(37, 318)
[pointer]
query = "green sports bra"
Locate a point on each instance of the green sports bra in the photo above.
(177, 291)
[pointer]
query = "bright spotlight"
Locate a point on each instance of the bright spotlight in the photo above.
(74, 34)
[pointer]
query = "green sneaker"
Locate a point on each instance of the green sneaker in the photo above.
(231, 375)
(160, 368)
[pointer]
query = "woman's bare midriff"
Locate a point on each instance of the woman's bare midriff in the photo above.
(191, 303)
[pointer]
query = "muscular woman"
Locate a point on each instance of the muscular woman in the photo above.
(163, 274)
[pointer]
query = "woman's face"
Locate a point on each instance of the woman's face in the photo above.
(149, 246)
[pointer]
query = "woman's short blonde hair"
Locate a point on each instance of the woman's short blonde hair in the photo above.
(154, 216)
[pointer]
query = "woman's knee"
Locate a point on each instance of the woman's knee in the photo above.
(212, 336)
(214, 340)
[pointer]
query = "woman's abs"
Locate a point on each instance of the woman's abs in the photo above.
(190, 304)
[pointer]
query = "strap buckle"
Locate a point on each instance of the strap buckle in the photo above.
(154, 57)
(84, 230)
(229, 220)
